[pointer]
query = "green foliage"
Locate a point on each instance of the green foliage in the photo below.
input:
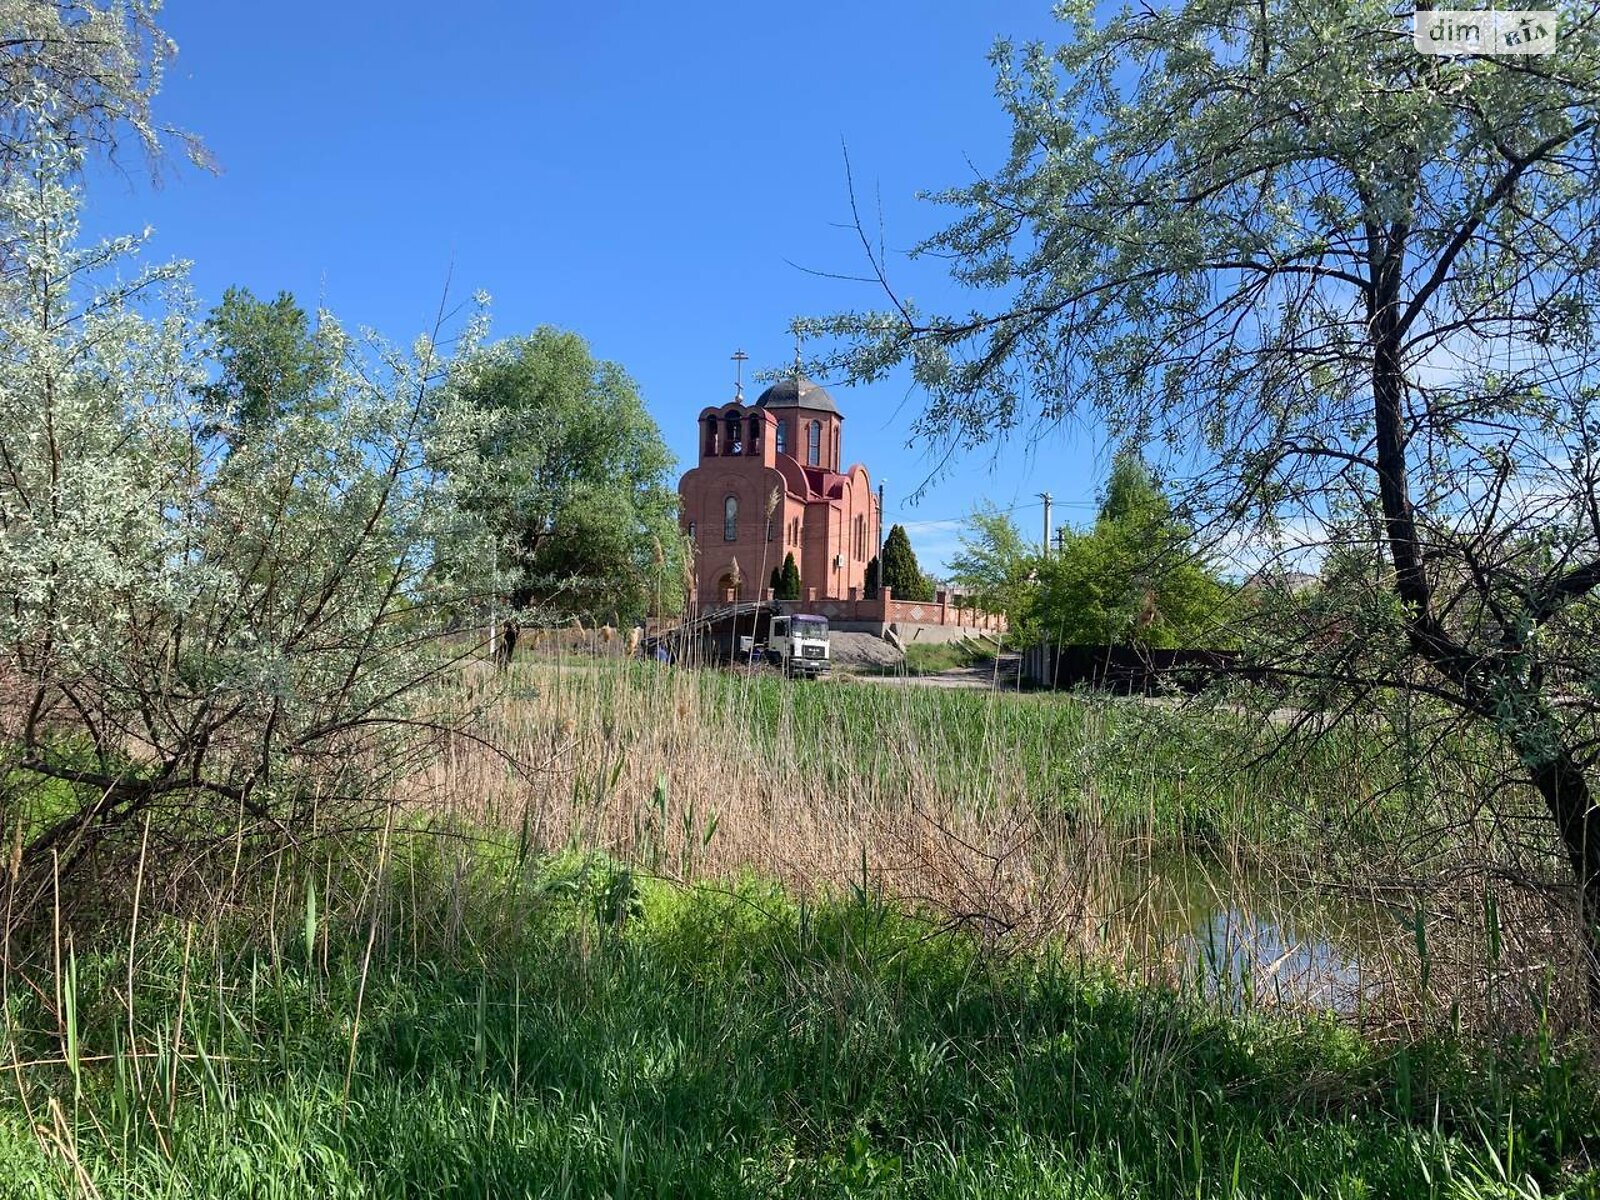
(571, 474)
(994, 562)
(930, 658)
(1168, 169)
(1319, 271)
(84, 73)
(899, 571)
(730, 1042)
(1133, 578)
(788, 586)
(270, 364)
(259, 623)
(870, 583)
(1143, 771)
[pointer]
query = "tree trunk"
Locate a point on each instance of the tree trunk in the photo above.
(1567, 794)
(506, 645)
(1551, 768)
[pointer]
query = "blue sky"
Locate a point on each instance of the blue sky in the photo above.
(664, 179)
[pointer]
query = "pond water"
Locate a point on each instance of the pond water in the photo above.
(1242, 936)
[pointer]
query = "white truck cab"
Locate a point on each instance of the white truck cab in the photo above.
(799, 644)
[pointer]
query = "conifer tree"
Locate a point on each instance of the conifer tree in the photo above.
(788, 587)
(899, 571)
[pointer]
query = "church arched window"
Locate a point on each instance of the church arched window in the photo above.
(730, 519)
(734, 443)
(814, 444)
(711, 436)
(783, 435)
(691, 531)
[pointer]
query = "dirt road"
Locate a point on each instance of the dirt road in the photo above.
(999, 675)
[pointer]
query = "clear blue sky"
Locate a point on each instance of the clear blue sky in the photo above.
(657, 177)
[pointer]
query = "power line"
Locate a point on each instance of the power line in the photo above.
(999, 512)
(909, 517)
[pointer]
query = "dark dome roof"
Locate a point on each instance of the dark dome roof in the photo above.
(797, 393)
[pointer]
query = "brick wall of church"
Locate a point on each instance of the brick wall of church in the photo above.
(822, 515)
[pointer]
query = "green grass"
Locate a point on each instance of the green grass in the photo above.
(1158, 774)
(929, 658)
(526, 1026)
(573, 1032)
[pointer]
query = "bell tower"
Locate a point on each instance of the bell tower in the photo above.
(770, 482)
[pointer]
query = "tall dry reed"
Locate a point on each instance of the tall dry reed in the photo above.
(1131, 836)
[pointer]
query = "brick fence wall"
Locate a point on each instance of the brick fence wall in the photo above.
(886, 610)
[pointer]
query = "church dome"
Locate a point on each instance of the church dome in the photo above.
(797, 393)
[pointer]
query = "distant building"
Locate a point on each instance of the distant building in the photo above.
(789, 443)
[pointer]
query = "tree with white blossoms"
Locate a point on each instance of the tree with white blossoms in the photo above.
(1348, 290)
(217, 643)
(83, 72)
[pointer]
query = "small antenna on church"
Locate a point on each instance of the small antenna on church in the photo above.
(797, 357)
(739, 359)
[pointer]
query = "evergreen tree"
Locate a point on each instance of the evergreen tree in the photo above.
(789, 579)
(273, 364)
(873, 571)
(775, 582)
(900, 572)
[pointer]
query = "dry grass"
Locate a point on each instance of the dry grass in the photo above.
(1024, 822)
(652, 766)
(404, 1002)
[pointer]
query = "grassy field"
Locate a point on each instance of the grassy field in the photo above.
(707, 933)
(564, 1029)
(1033, 811)
(752, 747)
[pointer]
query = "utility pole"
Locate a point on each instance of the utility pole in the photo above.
(1046, 497)
(881, 482)
(1061, 539)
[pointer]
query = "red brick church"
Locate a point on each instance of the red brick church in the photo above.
(789, 446)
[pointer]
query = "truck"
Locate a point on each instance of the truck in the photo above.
(799, 644)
